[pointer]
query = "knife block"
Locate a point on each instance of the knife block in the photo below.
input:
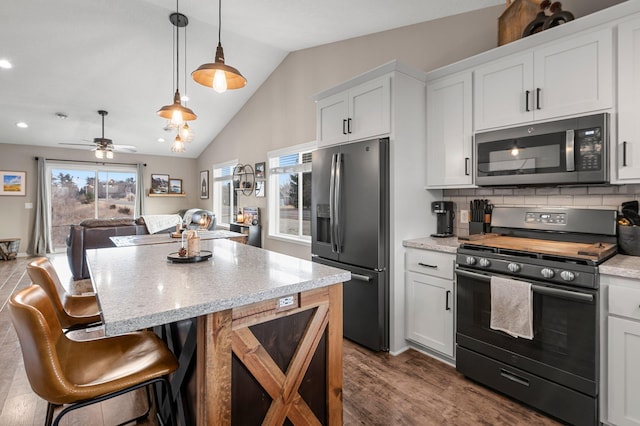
(479, 228)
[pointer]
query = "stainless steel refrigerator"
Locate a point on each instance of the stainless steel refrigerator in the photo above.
(350, 230)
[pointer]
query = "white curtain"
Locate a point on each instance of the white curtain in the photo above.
(139, 208)
(41, 241)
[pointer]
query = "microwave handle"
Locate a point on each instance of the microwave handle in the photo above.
(570, 151)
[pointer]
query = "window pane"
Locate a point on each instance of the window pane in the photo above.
(116, 194)
(74, 193)
(306, 204)
(288, 217)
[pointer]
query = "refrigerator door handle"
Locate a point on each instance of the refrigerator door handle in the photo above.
(361, 277)
(338, 183)
(332, 207)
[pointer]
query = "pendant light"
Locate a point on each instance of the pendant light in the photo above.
(219, 75)
(176, 113)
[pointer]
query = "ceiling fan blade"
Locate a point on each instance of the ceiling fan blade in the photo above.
(129, 148)
(77, 144)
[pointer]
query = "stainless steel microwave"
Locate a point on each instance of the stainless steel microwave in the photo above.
(565, 152)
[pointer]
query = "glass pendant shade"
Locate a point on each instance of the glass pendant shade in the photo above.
(178, 145)
(218, 75)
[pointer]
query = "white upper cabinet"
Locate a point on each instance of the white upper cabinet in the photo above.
(360, 112)
(566, 77)
(449, 132)
(502, 92)
(627, 152)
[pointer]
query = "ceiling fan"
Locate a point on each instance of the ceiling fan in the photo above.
(102, 146)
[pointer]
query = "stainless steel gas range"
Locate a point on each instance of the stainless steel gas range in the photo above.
(558, 252)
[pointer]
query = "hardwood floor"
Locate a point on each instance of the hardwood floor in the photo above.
(379, 389)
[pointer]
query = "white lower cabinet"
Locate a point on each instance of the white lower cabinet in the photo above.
(430, 300)
(623, 354)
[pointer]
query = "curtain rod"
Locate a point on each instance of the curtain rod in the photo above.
(93, 162)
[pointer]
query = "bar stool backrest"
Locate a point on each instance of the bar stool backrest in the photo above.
(41, 337)
(42, 273)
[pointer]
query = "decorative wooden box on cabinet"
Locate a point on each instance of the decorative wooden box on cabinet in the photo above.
(569, 76)
(430, 299)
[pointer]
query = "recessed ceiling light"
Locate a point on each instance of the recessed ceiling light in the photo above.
(22, 124)
(184, 98)
(161, 140)
(5, 64)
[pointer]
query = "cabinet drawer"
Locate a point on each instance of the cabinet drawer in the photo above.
(429, 262)
(624, 301)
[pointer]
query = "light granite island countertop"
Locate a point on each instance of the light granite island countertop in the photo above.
(230, 314)
(138, 288)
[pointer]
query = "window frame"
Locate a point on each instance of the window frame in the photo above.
(273, 193)
(216, 191)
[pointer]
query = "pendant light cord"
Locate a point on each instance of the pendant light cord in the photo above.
(177, 45)
(219, 19)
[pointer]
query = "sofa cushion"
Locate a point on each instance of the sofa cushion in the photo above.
(102, 223)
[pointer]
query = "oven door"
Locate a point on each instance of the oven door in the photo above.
(564, 348)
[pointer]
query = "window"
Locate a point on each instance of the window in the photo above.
(224, 197)
(290, 193)
(81, 192)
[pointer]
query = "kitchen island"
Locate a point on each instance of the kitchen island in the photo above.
(263, 320)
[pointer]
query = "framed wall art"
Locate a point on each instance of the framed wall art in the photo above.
(204, 184)
(175, 186)
(159, 184)
(13, 183)
(259, 188)
(260, 170)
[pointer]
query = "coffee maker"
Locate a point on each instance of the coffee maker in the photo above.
(446, 214)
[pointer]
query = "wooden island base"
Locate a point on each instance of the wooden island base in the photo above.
(262, 364)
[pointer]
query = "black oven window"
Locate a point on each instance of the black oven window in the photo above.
(564, 330)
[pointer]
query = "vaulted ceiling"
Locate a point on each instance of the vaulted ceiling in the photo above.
(79, 56)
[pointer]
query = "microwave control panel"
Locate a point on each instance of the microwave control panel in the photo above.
(590, 149)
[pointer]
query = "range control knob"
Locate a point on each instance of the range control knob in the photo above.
(567, 275)
(485, 262)
(547, 272)
(470, 260)
(513, 267)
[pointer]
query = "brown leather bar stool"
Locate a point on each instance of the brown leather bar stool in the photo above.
(78, 373)
(74, 311)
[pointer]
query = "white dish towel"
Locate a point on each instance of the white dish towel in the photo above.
(512, 307)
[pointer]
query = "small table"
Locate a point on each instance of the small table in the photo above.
(9, 248)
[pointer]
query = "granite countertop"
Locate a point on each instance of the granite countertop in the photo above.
(447, 245)
(138, 288)
(621, 265)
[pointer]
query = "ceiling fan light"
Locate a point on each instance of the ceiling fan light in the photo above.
(109, 154)
(99, 153)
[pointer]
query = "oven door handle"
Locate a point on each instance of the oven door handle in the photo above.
(548, 291)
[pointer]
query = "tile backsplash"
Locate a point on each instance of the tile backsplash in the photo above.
(589, 197)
